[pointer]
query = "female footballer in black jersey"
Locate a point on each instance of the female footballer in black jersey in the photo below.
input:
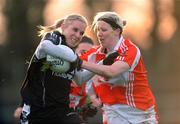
(45, 93)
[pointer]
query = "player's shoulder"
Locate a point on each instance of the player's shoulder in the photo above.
(129, 43)
(128, 46)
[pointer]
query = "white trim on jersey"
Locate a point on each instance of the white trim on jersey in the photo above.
(89, 88)
(136, 60)
(129, 91)
(118, 43)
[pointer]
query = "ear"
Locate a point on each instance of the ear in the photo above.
(62, 26)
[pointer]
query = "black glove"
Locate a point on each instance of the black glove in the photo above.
(109, 60)
(87, 111)
(54, 37)
(76, 64)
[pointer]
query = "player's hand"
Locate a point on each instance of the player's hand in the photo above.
(54, 37)
(17, 113)
(76, 64)
(87, 111)
(96, 102)
(109, 60)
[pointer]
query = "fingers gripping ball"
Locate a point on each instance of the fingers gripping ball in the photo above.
(57, 64)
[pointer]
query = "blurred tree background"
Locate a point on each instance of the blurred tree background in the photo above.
(151, 24)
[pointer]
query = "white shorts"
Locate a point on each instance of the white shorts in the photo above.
(124, 114)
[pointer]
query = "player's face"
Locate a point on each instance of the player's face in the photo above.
(83, 47)
(105, 34)
(73, 32)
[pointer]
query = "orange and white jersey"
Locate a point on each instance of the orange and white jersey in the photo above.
(131, 87)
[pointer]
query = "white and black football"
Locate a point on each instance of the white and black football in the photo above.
(57, 64)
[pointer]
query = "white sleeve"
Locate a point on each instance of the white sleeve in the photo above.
(83, 76)
(89, 88)
(119, 80)
(40, 53)
(59, 51)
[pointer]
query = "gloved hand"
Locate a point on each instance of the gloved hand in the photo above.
(109, 60)
(54, 37)
(76, 64)
(87, 111)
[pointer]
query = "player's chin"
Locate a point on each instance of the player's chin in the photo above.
(73, 45)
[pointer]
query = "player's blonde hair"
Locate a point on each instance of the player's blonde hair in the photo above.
(111, 18)
(67, 20)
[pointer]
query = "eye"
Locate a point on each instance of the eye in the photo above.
(102, 29)
(75, 29)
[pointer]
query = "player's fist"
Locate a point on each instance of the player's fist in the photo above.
(109, 60)
(17, 113)
(76, 64)
(55, 37)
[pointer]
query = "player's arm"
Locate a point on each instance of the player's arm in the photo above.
(50, 44)
(60, 51)
(107, 71)
(84, 75)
